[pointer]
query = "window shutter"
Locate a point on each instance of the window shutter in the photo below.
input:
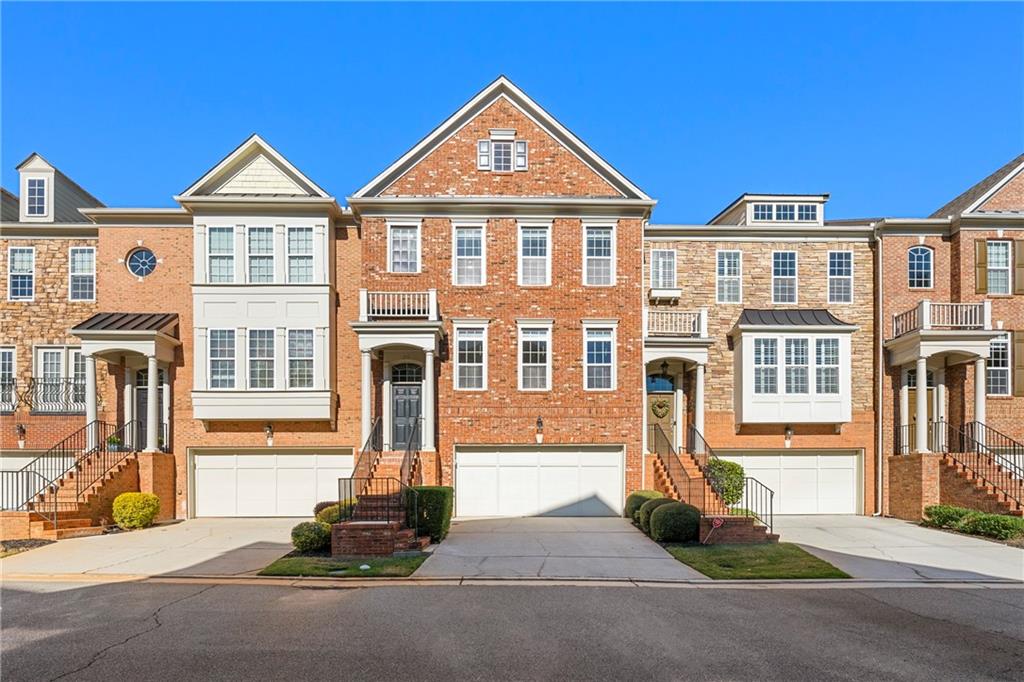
(483, 155)
(980, 266)
(1018, 266)
(520, 155)
(1018, 363)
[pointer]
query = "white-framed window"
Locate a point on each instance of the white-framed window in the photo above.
(807, 213)
(59, 379)
(535, 358)
(222, 358)
(221, 254)
(599, 358)
(521, 155)
(784, 277)
(470, 358)
(729, 276)
(796, 366)
(21, 273)
(501, 156)
(82, 273)
(534, 255)
(502, 153)
(998, 266)
(763, 212)
(261, 358)
(826, 379)
(403, 248)
(300, 255)
(7, 392)
(840, 277)
(468, 255)
(919, 267)
(663, 268)
(766, 366)
(598, 255)
(997, 375)
(36, 197)
(785, 212)
(300, 358)
(260, 245)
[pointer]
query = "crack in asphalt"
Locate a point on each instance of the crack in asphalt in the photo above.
(155, 616)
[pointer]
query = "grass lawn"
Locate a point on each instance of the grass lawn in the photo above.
(344, 567)
(754, 562)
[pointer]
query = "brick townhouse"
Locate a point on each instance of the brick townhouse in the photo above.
(492, 311)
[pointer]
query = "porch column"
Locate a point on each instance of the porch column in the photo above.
(980, 388)
(152, 418)
(643, 414)
(129, 407)
(165, 415)
(921, 427)
(387, 419)
(698, 400)
(678, 416)
(91, 437)
(427, 439)
(365, 389)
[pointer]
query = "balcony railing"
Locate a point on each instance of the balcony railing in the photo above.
(57, 396)
(928, 315)
(8, 396)
(398, 305)
(693, 323)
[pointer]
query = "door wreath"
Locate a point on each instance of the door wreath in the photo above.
(660, 408)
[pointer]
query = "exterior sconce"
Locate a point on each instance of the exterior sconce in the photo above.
(789, 435)
(664, 368)
(268, 430)
(540, 429)
(20, 430)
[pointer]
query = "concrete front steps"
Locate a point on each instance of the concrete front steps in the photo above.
(965, 486)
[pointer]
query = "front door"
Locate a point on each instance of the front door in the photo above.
(912, 428)
(405, 413)
(661, 411)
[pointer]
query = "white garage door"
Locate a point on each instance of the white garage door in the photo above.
(542, 481)
(271, 484)
(806, 483)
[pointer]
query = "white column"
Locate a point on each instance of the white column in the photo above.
(165, 415)
(427, 439)
(90, 400)
(385, 392)
(921, 427)
(129, 407)
(940, 394)
(643, 420)
(980, 388)
(152, 417)
(365, 389)
(677, 418)
(698, 400)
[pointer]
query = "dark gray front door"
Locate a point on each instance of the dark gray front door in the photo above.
(405, 412)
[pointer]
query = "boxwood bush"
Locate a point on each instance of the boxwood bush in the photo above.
(311, 536)
(336, 513)
(945, 515)
(636, 500)
(974, 522)
(136, 510)
(647, 508)
(434, 506)
(675, 522)
(320, 506)
(728, 479)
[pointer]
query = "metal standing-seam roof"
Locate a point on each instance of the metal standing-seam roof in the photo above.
(127, 322)
(809, 317)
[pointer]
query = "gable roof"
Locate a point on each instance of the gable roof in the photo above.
(977, 194)
(502, 87)
(57, 171)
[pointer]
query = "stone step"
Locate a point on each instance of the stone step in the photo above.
(62, 523)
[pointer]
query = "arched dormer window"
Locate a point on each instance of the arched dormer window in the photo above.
(920, 267)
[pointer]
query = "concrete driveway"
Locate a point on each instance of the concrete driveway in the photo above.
(552, 548)
(193, 547)
(886, 549)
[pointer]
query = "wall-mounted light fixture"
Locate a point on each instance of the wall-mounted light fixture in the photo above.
(268, 430)
(540, 429)
(788, 431)
(664, 368)
(20, 430)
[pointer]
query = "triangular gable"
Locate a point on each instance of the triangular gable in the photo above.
(35, 161)
(254, 168)
(977, 196)
(1008, 195)
(503, 89)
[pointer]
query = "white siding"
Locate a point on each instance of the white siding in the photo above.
(260, 176)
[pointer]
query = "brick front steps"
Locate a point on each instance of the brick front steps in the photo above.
(374, 538)
(734, 530)
(920, 480)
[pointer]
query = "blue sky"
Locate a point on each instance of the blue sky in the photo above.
(893, 108)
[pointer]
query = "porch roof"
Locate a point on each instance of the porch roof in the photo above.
(129, 322)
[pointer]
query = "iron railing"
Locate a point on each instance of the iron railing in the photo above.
(381, 500)
(757, 500)
(978, 460)
(56, 396)
(906, 439)
(1005, 450)
(691, 489)
(8, 395)
(372, 448)
(412, 455)
(97, 463)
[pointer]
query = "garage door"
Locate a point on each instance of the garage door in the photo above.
(806, 483)
(271, 484)
(551, 481)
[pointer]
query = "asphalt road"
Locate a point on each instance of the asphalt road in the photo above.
(146, 631)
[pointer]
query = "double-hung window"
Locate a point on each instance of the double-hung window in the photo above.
(36, 197)
(826, 379)
(300, 358)
(82, 273)
(261, 358)
(261, 255)
(7, 393)
(766, 369)
(919, 267)
(796, 366)
(998, 267)
(222, 358)
(599, 358)
(300, 255)
(471, 358)
(502, 153)
(598, 256)
(663, 269)
(784, 277)
(840, 276)
(221, 254)
(534, 256)
(404, 248)
(469, 256)
(998, 372)
(21, 273)
(534, 358)
(728, 274)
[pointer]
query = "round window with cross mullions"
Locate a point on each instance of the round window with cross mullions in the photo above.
(141, 262)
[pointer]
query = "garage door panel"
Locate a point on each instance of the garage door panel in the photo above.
(478, 486)
(806, 483)
(215, 492)
(832, 483)
(558, 489)
(256, 492)
(603, 489)
(294, 489)
(215, 462)
(255, 461)
(518, 491)
(301, 461)
(514, 458)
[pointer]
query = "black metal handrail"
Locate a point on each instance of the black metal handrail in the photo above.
(976, 459)
(372, 448)
(95, 464)
(757, 500)
(9, 397)
(61, 396)
(381, 500)
(690, 488)
(1009, 452)
(412, 454)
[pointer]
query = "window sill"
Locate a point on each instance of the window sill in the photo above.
(665, 293)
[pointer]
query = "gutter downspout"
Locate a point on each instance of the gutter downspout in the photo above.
(879, 392)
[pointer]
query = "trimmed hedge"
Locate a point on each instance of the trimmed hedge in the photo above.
(973, 522)
(675, 522)
(945, 515)
(135, 510)
(311, 536)
(336, 513)
(320, 506)
(729, 478)
(434, 505)
(636, 500)
(647, 508)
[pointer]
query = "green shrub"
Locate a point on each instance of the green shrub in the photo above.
(636, 500)
(311, 536)
(320, 506)
(336, 513)
(434, 504)
(647, 508)
(995, 526)
(727, 478)
(136, 510)
(675, 522)
(945, 515)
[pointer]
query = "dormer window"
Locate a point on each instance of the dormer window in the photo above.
(763, 212)
(785, 213)
(502, 153)
(36, 197)
(807, 213)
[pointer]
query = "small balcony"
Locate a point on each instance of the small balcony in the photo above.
(8, 396)
(927, 316)
(375, 306)
(676, 323)
(56, 396)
